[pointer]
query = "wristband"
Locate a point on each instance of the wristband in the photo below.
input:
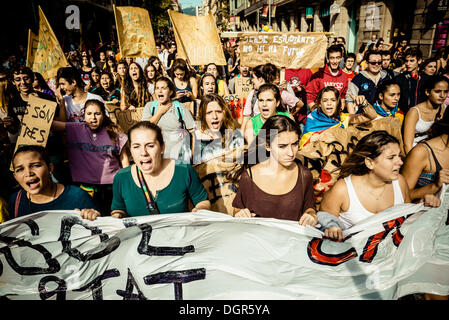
(328, 220)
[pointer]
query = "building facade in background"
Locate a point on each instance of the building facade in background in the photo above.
(424, 22)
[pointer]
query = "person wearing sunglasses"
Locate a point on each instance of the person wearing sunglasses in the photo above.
(367, 81)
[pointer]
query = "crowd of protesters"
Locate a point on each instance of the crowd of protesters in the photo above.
(90, 164)
(86, 149)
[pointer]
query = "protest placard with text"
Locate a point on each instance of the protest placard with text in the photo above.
(197, 38)
(236, 103)
(243, 86)
(48, 55)
(134, 32)
(36, 122)
(293, 50)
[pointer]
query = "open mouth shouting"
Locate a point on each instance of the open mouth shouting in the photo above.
(266, 112)
(146, 165)
(33, 183)
(215, 124)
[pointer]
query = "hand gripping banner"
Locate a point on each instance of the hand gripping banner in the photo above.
(206, 255)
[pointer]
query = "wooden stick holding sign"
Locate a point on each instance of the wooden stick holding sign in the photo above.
(36, 122)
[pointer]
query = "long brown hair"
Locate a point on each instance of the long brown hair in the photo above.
(142, 96)
(112, 129)
(228, 125)
(337, 96)
(370, 146)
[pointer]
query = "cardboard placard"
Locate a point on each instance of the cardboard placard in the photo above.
(134, 32)
(243, 86)
(293, 50)
(197, 39)
(36, 122)
(212, 175)
(324, 157)
(236, 105)
(127, 118)
(48, 55)
(111, 108)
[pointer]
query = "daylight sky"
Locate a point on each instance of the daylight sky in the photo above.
(190, 3)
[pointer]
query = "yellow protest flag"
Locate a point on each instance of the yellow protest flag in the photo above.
(49, 56)
(197, 38)
(134, 32)
(33, 41)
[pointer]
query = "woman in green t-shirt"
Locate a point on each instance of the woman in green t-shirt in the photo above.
(154, 184)
(269, 101)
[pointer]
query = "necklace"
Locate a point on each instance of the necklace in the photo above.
(378, 196)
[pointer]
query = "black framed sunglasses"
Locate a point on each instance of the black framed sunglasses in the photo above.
(375, 62)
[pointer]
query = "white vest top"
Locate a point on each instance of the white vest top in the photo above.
(356, 212)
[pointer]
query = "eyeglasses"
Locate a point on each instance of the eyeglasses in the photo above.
(375, 62)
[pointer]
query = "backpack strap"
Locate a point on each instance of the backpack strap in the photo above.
(17, 203)
(153, 107)
(178, 108)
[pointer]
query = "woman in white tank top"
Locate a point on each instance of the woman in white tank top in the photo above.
(421, 117)
(371, 183)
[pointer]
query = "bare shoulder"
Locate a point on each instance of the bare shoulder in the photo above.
(404, 188)
(418, 152)
(335, 200)
(339, 189)
(412, 112)
(402, 181)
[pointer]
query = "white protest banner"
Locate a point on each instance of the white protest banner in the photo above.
(293, 50)
(134, 32)
(48, 56)
(206, 255)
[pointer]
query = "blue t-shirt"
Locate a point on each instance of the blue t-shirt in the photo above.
(71, 198)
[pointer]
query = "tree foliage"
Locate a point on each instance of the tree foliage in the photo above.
(158, 12)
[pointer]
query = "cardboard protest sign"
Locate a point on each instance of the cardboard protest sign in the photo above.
(206, 255)
(236, 103)
(33, 42)
(213, 177)
(111, 108)
(197, 38)
(324, 156)
(285, 50)
(48, 56)
(127, 118)
(134, 32)
(36, 122)
(243, 86)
